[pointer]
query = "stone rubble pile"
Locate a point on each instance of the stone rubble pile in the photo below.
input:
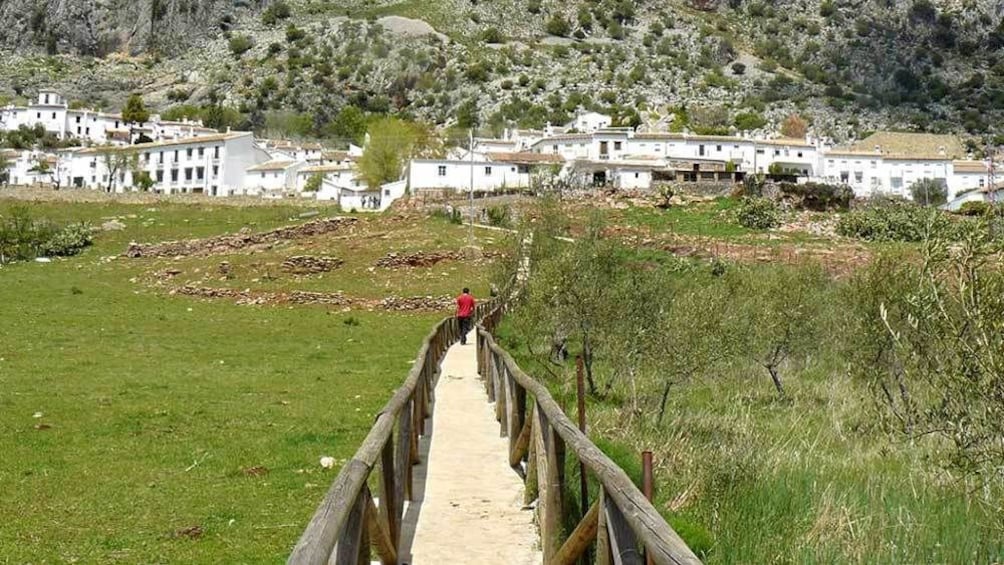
(243, 239)
(426, 258)
(416, 303)
(309, 264)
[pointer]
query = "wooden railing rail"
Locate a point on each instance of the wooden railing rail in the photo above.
(349, 523)
(622, 525)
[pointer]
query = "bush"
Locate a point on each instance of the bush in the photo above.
(68, 241)
(499, 216)
(240, 44)
(558, 25)
(276, 11)
(893, 220)
(22, 238)
(750, 121)
(758, 214)
(492, 35)
(738, 69)
(818, 197)
(974, 208)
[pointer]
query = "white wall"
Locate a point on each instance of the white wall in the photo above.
(633, 179)
(456, 175)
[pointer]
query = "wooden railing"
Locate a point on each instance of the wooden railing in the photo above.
(621, 526)
(349, 523)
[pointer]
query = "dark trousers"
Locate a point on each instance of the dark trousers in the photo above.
(465, 326)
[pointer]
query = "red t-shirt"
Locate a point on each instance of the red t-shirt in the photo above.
(465, 306)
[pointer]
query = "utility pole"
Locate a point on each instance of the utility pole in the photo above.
(470, 227)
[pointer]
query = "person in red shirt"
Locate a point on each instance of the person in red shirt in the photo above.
(465, 309)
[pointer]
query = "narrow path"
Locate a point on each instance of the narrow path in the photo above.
(470, 507)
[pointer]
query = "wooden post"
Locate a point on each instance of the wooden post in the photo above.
(353, 538)
(551, 497)
(388, 493)
(531, 489)
(603, 556)
(580, 391)
(402, 458)
(647, 487)
(578, 542)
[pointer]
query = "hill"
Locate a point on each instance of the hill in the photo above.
(292, 67)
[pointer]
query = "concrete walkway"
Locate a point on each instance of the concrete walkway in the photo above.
(469, 503)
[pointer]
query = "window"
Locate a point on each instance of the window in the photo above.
(188, 173)
(799, 153)
(216, 152)
(263, 175)
(488, 171)
(441, 171)
(874, 164)
(636, 175)
(777, 152)
(116, 124)
(200, 173)
(188, 153)
(982, 183)
(54, 115)
(38, 115)
(216, 171)
(858, 176)
(700, 150)
(554, 148)
(617, 146)
(78, 119)
(759, 151)
(202, 152)
(160, 176)
(718, 148)
(174, 175)
(88, 131)
(175, 155)
(46, 98)
(78, 131)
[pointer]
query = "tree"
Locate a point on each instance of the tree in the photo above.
(314, 183)
(929, 192)
(348, 126)
(4, 168)
(794, 126)
(42, 167)
(135, 111)
(391, 143)
(117, 162)
(142, 180)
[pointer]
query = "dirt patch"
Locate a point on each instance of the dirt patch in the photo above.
(309, 264)
(242, 240)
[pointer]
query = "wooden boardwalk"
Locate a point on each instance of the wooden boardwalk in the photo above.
(470, 507)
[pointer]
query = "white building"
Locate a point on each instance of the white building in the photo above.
(589, 122)
(274, 178)
(52, 112)
(499, 171)
(213, 165)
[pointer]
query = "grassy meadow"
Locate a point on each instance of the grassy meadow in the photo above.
(138, 427)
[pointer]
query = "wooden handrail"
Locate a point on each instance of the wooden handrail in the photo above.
(348, 520)
(629, 524)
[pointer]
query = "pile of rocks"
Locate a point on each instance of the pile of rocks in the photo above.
(417, 259)
(248, 297)
(309, 264)
(416, 303)
(243, 239)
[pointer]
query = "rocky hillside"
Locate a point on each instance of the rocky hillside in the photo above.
(317, 67)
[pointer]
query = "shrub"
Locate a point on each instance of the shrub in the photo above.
(974, 208)
(70, 240)
(893, 220)
(499, 216)
(558, 25)
(758, 213)
(533, 6)
(738, 69)
(240, 44)
(23, 238)
(492, 35)
(818, 197)
(276, 11)
(794, 126)
(750, 121)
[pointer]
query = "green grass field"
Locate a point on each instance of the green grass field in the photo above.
(128, 417)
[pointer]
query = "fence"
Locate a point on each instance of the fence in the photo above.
(621, 526)
(348, 522)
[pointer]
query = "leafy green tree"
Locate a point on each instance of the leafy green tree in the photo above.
(142, 180)
(391, 143)
(348, 126)
(278, 10)
(314, 183)
(929, 192)
(135, 111)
